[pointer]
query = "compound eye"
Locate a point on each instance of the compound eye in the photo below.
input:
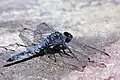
(68, 37)
(67, 40)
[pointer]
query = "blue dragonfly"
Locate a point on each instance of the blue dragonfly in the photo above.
(54, 39)
(47, 41)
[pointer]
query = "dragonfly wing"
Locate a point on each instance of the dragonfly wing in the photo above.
(42, 31)
(85, 53)
(86, 49)
(6, 53)
(27, 36)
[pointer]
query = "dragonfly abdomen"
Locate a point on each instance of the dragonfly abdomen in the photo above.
(17, 56)
(29, 51)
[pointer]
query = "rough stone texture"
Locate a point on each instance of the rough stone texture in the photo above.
(96, 22)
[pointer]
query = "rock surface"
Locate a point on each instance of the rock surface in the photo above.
(96, 22)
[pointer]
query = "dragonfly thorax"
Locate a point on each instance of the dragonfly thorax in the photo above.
(56, 38)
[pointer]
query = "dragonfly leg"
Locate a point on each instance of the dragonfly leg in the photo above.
(50, 57)
(66, 47)
(54, 57)
(71, 52)
(60, 53)
(50, 53)
(66, 53)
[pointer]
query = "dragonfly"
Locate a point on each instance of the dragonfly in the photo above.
(57, 46)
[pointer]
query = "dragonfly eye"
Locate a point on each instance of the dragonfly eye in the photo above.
(68, 37)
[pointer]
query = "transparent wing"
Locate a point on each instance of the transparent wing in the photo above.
(87, 50)
(42, 31)
(85, 53)
(30, 37)
(27, 36)
(4, 52)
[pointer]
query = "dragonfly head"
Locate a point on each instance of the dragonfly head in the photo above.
(68, 37)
